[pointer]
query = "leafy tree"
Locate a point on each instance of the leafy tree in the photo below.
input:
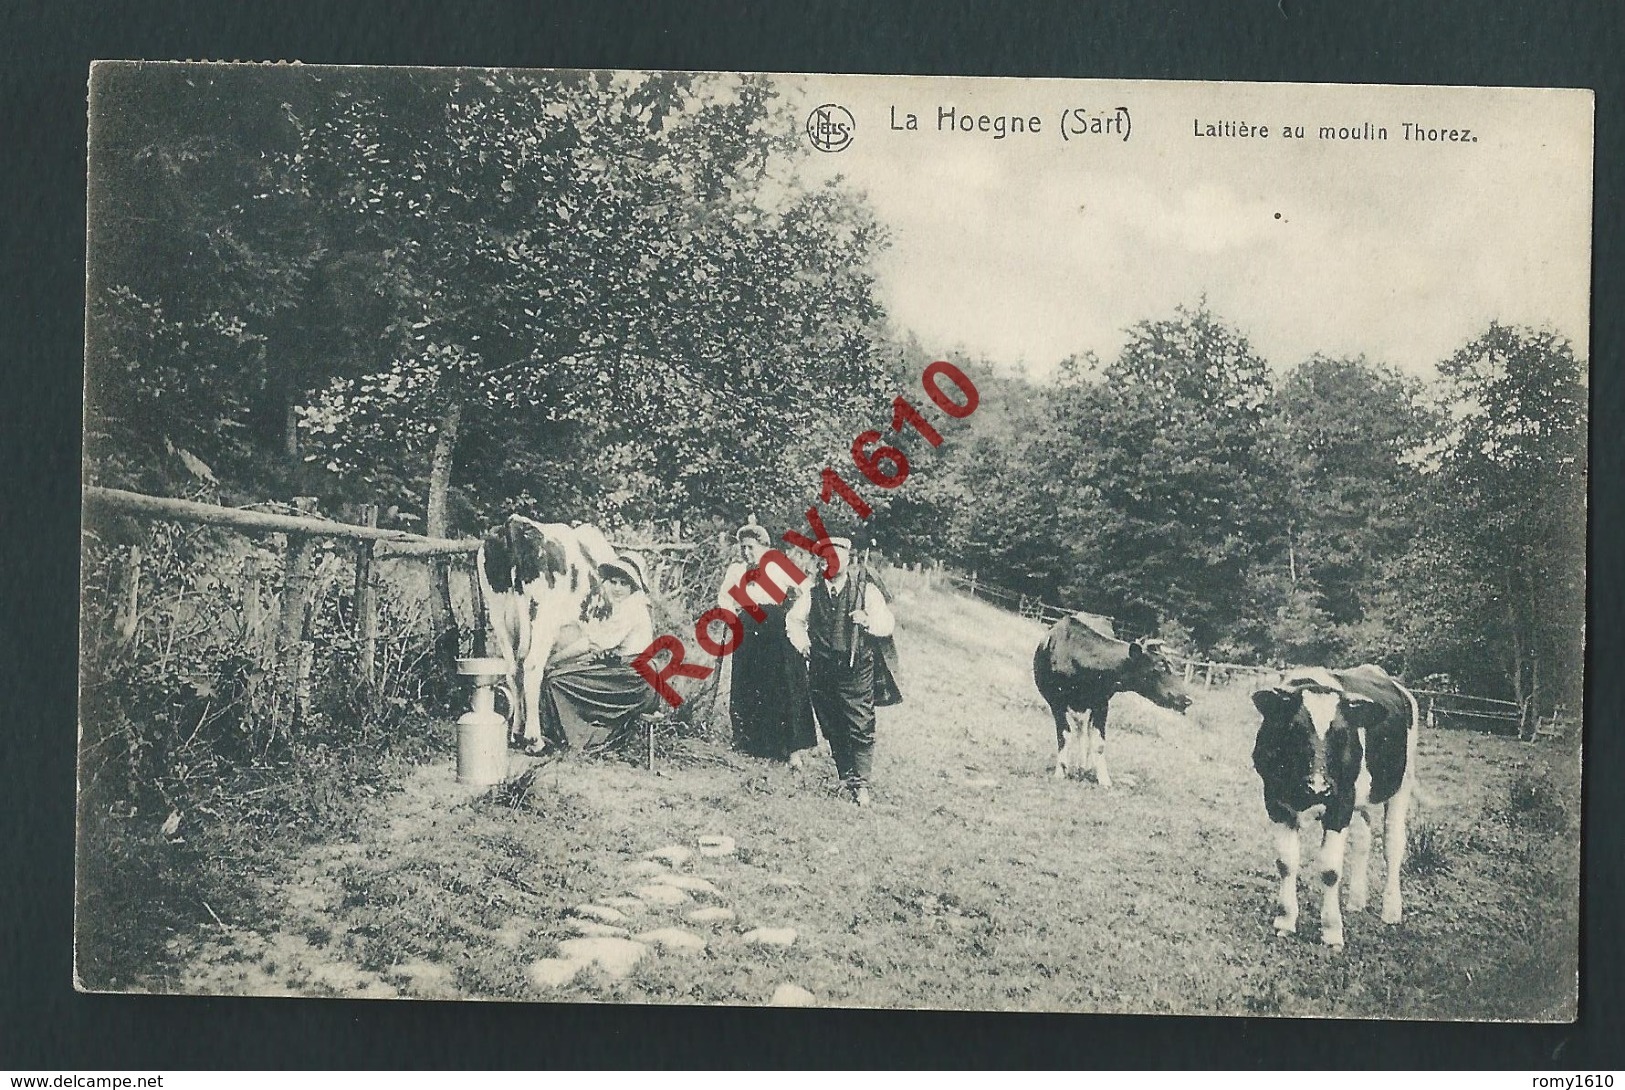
(1353, 440)
(634, 299)
(1178, 442)
(197, 257)
(1507, 518)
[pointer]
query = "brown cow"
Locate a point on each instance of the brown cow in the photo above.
(1080, 665)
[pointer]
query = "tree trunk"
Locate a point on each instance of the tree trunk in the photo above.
(445, 445)
(1519, 648)
(442, 617)
(1533, 715)
(290, 430)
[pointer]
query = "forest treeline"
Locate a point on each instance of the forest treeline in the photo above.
(578, 295)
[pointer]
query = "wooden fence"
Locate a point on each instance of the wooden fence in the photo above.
(303, 531)
(1437, 708)
(1220, 673)
(1026, 605)
(1210, 673)
(373, 543)
(1500, 716)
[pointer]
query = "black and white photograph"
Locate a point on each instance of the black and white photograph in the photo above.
(723, 538)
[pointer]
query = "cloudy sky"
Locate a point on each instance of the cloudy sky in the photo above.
(1034, 247)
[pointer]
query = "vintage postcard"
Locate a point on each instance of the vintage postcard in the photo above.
(852, 541)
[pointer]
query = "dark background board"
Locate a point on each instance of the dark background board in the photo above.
(45, 1025)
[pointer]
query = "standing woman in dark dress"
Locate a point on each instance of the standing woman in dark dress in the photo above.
(768, 704)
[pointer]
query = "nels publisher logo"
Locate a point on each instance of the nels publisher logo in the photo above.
(830, 127)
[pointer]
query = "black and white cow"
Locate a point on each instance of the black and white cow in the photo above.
(1080, 665)
(1334, 745)
(538, 578)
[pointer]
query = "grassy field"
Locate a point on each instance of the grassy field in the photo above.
(976, 881)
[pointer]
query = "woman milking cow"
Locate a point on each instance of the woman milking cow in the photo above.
(590, 690)
(572, 680)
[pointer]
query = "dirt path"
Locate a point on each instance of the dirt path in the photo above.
(976, 881)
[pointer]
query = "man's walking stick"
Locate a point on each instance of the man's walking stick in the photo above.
(863, 603)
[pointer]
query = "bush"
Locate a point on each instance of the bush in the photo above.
(1429, 849)
(194, 758)
(1536, 803)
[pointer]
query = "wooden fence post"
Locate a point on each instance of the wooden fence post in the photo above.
(131, 614)
(973, 584)
(305, 665)
(476, 597)
(366, 598)
(1208, 684)
(296, 565)
(1190, 671)
(253, 611)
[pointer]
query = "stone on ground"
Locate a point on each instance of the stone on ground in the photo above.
(615, 956)
(715, 914)
(625, 904)
(514, 930)
(594, 930)
(674, 939)
(552, 972)
(771, 936)
(688, 882)
(792, 995)
(426, 978)
(644, 868)
(601, 913)
(661, 894)
(674, 854)
(716, 845)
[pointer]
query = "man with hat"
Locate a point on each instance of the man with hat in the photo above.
(844, 625)
(589, 689)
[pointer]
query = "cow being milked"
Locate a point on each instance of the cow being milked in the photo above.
(1080, 665)
(538, 579)
(1334, 745)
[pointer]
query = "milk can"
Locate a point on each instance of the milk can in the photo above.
(482, 734)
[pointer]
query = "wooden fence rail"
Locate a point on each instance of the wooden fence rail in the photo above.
(1217, 673)
(391, 542)
(1027, 605)
(303, 530)
(1435, 706)
(292, 650)
(263, 522)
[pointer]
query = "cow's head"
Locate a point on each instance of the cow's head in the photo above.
(1148, 672)
(1309, 743)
